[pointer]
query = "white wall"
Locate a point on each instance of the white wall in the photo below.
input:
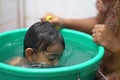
(23, 13)
(64, 8)
(8, 15)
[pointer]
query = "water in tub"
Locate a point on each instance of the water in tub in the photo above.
(73, 54)
(76, 53)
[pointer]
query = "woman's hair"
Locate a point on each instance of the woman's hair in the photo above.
(41, 35)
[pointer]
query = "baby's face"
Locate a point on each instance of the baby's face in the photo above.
(51, 56)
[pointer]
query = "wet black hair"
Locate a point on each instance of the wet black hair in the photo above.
(41, 35)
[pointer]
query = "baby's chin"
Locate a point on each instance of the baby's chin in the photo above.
(41, 65)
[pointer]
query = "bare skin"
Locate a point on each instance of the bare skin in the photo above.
(17, 61)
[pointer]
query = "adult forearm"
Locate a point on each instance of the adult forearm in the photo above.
(85, 25)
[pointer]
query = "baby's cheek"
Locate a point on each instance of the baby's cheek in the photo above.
(56, 62)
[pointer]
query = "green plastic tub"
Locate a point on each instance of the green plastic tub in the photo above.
(11, 44)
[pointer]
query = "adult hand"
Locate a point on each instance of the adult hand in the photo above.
(104, 36)
(55, 19)
(100, 6)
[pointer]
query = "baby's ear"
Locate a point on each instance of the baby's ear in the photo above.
(28, 53)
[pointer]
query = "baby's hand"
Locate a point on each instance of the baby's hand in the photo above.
(104, 36)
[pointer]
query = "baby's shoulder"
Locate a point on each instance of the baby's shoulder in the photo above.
(16, 61)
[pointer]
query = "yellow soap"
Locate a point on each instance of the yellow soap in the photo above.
(48, 18)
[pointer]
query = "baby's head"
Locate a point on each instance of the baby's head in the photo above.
(43, 43)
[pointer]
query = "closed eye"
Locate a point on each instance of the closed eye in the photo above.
(52, 57)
